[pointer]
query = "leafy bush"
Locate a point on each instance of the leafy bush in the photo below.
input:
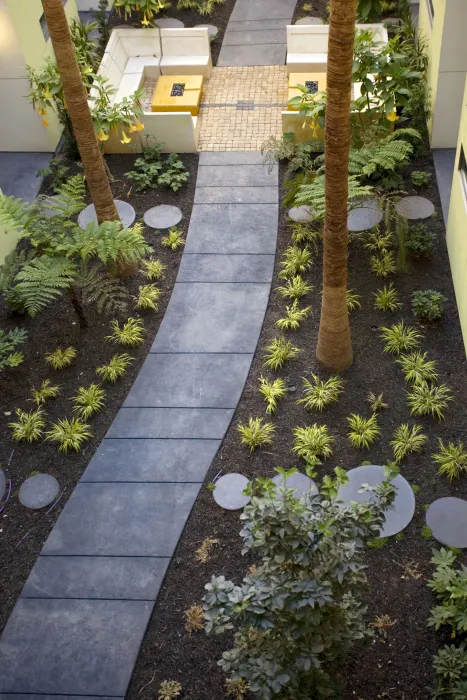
(387, 298)
(69, 434)
(256, 433)
(417, 368)
(450, 664)
(363, 431)
(312, 442)
(320, 393)
(293, 317)
(407, 440)
(169, 690)
(451, 459)
(420, 241)
(175, 175)
(426, 400)
(392, 182)
(9, 341)
(400, 338)
(29, 426)
(57, 171)
(272, 392)
(151, 170)
(427, 305)
(420, 178)
(298, 612)
(279, 352)
(147, 9)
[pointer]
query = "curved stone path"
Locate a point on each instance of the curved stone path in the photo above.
(78, 625)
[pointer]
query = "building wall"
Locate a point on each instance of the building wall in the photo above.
(456, 235)
(86, 5)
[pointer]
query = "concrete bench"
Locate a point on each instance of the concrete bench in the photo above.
(186, 51)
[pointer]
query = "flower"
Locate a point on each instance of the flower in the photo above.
(87, 70)
(145, 21)
(136, 127)
(47, 94)
(125, 138)
(392, 117)
(45, 122)
(102, 136)
(42, 111)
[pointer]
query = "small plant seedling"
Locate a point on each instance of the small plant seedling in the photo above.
(131, 333)
(416, 488)
(378, 543)
(88, 401)
(427, 305)
(116, 368)
(451, 459)
(293, 317)
(426, 533)
(168, 690)
(9, 341)
(211, 487)
(377, 242)
(29, 426)
(279, 352)
(400, 338)
(305, 233)
(194, 619)
(363, 431)
(236, 689)
(296, 262)
(353, 301)
(320, 394)
(383, 623)
(400, 537)
(296, 288)
(154, 270)
(383, 264)
(59, 359)
(203, 552)
(387, 299)
(312, 442)
(417, 368)
(46, 391)
(148, 297)
(69, 434)
(407, 440)
(272, 392)
(420, 241)
(256, 433)
(174, 239)
(426, 400)
(420, 178)
(376, 402)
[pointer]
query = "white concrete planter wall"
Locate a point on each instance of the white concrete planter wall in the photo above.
(86, 5)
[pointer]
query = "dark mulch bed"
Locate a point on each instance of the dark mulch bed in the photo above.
(318, 9)
(399, 666)
(219, 18)
(23, 532)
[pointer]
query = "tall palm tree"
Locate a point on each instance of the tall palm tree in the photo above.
(334, 350)
(78, 109)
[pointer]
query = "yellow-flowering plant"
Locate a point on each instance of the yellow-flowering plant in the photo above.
(120, 118)
(147, 9)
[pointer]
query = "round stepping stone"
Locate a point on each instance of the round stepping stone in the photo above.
(2, 484)
(399, 515)
(163, 216)
(392, 21)
(310, 20)
(212, 30)
(300, 482)
(169, 23)
(365, 216)
(416, 207)
(38, 491)
(228, 492)
(125, 211)
(447, 519)
(301, 214)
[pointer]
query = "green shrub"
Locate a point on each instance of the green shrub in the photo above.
(174, 239)
(420, 178)
(9, 341)
(295, 288)
(376, 402)
(131, 333)
(353, 301)
(59, 359)
(153, 270)
(420, 241)
(387, 298)
(427, 305)
(450, 664)
(88, 401)
(295, 261)
(383, 264)
(449, 586)
(151, 170)
(116, 368)
(148, 297)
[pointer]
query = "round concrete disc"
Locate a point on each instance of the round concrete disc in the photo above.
(399, 515)
(169, 23)
(2, 484)
(447, 519)
(310, 20)
(125, 211)
(300, 482)
(38, 491)
(228, 492)
(416, 207)
(162, 217)
(365, 216)
(212, 30)
(301, 214)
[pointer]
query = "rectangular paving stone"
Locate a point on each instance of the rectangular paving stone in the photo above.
(262, 55)
(260, 25)
(72, 647)
(236, 195)
(151, 460)
(260, 9)
(226, 268)
(33, 696)
(121, 519)
(213, 317)
(236, 176)
(233, 228)
(119, 578)
(173, 423)
(190, 381)
(231, 158)
(257, 38)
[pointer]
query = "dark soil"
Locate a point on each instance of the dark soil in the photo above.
(397, 666)
(23, 532)
(219, 18)
(319, 9)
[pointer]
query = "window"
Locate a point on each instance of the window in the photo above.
(43, 23)
(463, 172)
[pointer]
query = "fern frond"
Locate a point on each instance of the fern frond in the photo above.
(68, 200)
(313, 194)
(13, 213)
(383, 154)
(111, 243)
(108, 294)
(42, 281)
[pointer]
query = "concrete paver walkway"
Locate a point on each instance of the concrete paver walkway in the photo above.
(78, 625)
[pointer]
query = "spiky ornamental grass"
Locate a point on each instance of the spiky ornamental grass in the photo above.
(417, 368)
(46, 391)
(256, 434)
(69, 434)
(154, 270)
(272, 392)
(116, 368)
(383, 264)
(148, 297)
(306, 233)
(363, 431)
(59, 359)
(407, 440)
(293, 317)
(451, 459)
(88, 401)
(353, 301)
(174, 239)
(312, 442)
(296, 288)
(278, 352)
(400, 338)
(132, 332)
(319, 394)
(429, 400)
(296, 261)
(29, 426)
(387, 298)
(169, 690)
(376, 402)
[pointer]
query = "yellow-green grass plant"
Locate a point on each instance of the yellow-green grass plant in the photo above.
(69, 434)
(320, 393)
(407, 439)
(279, 352)
(116, 368)
(29, 426)
(272, 392)
(46, 391)
(363, 431)
(256, 433)
(88, 401)
(59, 359)
(131, 333)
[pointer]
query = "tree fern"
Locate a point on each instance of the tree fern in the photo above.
(108, 294)
(110, 243)
(314, 195)
(14, 261)
(13, 213)
(383, 154)
(42, 281)
(68, 200)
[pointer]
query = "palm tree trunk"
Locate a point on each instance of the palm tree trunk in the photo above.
(334, 350)
(78, 109)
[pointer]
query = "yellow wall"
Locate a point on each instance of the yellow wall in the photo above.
(433, 36)
(456, 235)
(8, 242)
